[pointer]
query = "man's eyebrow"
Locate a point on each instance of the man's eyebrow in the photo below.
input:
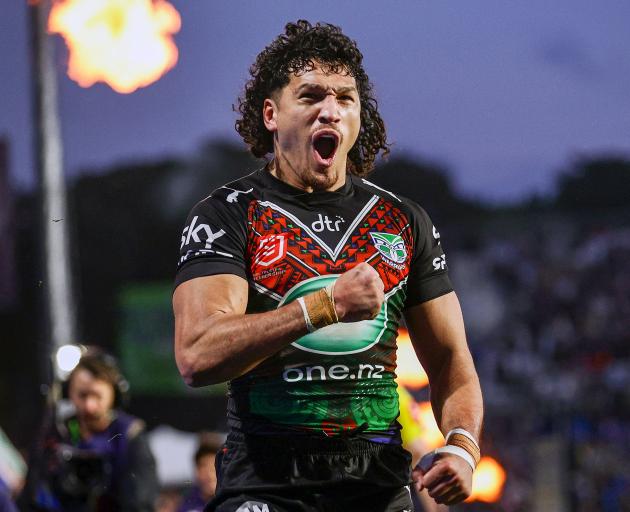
(318, 87)
(345, 90)
(310, 86)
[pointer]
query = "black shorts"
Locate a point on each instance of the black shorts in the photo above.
(289, 474)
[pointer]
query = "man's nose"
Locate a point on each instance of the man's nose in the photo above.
(329, 111)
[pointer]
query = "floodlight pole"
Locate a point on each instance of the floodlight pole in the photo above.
(58, 282)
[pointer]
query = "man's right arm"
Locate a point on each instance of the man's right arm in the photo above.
(216, 341)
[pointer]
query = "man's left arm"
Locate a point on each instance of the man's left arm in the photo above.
(436, 328)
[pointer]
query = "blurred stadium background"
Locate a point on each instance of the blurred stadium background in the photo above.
(544, 280)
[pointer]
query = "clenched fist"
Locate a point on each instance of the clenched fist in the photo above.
(358, 294)
(449, 480)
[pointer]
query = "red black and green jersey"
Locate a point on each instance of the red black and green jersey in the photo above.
(287, 243)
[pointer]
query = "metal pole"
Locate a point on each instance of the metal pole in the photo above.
(49, 150)
(60, 309)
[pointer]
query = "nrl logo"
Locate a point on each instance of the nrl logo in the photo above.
(391, 247)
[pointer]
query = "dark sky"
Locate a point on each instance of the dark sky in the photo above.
(503, 94)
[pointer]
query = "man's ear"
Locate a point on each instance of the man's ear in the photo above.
(270, 109)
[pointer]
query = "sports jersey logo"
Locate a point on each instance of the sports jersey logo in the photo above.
(325, 223)
(436, 235)
(232, 197)
(391, 247)
(440, 262)
(271, 248)
(253, 506)
(194, 230)
(337, 339)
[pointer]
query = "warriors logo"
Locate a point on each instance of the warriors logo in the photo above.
(391, 247)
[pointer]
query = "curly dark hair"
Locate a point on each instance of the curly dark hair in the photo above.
(295, 52)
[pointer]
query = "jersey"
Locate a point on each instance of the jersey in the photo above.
(287, 243)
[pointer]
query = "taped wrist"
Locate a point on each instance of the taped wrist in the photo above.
(319, 308)
(427, 461)
(464, 440)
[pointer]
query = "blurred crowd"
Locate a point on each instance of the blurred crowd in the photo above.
(548, 318)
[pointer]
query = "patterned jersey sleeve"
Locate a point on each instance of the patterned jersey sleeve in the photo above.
(213, 241)
(428, 276)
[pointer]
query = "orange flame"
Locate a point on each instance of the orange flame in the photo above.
(125, 43)
(409, 370)
(488, 481)
(431, 434)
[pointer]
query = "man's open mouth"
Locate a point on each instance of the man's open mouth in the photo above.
(325, 144)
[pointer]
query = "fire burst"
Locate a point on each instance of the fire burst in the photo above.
(488, 481)
(125, 43)
(431, 433)
(410, 372)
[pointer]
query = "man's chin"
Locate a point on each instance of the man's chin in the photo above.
(323, 178)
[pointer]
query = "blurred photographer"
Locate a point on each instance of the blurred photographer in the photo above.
(98, 459)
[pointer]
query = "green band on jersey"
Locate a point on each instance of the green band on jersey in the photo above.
(337, 339)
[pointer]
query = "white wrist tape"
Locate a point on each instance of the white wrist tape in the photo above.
(330, 291)
(309, 325)
(463, 432)
(427, 460)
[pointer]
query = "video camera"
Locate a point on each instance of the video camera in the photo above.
(82, 474)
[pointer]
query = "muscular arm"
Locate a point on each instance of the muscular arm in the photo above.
(216, 341)
(437, 333)
(436, 328)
